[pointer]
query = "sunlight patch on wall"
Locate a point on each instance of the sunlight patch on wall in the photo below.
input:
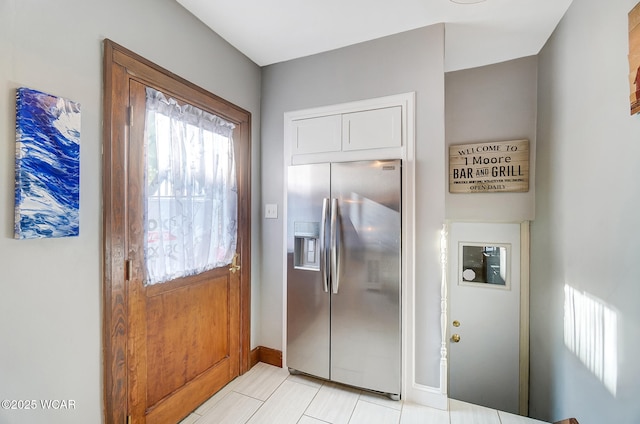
(591, 333)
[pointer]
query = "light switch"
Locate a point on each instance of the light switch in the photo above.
(271, 211)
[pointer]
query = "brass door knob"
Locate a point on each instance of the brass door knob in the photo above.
(234, 264)
(455, 338)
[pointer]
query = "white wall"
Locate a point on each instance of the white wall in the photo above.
(410, 61)
(585, 239)
(50, 290)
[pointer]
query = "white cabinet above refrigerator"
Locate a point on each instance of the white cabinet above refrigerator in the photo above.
(363, 130)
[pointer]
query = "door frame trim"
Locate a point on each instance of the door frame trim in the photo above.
(119, 65)
(525, 236)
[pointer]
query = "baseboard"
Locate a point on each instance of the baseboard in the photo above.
(266, 355)
(427, 396)
(254, 357)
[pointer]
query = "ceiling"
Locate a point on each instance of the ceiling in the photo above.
(272, 31)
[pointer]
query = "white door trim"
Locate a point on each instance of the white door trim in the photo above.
(524, 317)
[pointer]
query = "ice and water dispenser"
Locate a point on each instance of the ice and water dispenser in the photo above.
(306, 248)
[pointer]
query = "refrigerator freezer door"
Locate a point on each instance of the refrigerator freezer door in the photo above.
(308, 317)
(365, 311)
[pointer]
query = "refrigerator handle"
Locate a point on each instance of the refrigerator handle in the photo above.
(323, 247)
(335, 270)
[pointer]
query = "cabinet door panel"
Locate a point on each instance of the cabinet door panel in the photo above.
(372, 129)
(317, 135)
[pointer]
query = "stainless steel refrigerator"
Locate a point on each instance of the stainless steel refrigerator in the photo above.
(344, 273)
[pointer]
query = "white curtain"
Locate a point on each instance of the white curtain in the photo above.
(191, 191)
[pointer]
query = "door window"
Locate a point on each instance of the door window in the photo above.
(484, 264)
(191, 193)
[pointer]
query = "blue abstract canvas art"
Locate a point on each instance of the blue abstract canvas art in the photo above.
(47, 202)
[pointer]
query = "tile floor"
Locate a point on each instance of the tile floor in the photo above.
(269, 395)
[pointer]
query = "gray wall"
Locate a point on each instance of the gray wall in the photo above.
(50, 290)
(585, 236)
(411, 61)
(493, 103)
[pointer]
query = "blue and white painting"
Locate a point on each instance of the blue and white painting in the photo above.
(47, 166)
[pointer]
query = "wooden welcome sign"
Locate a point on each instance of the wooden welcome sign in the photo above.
(501, 166)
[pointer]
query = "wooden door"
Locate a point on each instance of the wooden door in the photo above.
(168, 346)
(184, 334)
(484, 321)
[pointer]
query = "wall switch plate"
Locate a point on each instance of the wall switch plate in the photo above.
(271, 211)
